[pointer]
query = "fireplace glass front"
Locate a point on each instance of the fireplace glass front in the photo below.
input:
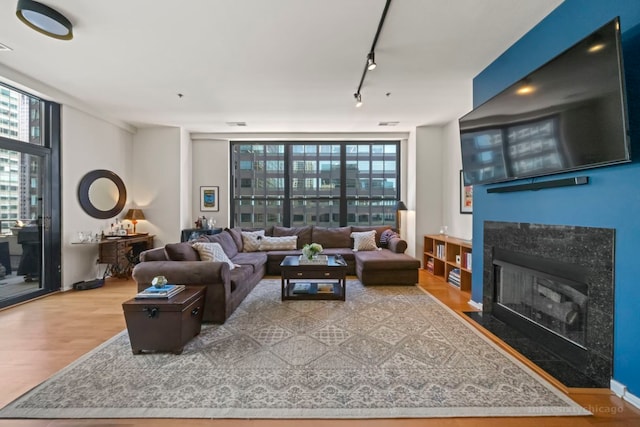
(554, 303)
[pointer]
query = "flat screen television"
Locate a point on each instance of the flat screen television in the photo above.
(569, 114)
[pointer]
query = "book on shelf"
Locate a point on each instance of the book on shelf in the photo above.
(166, 291)
(430, 265)
(301, 288)
(454, 277)
(325, 288)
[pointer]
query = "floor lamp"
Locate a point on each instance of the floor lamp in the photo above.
(399, 208)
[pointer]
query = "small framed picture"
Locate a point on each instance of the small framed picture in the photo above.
(209, 199)
(466, 196)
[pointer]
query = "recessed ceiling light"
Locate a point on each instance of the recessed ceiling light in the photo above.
(4, 48)
(596, 47)
(239, 124)
(525, 90)
(525, 87)
(388, 123)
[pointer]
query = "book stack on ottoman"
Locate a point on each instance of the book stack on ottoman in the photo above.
(162, 323)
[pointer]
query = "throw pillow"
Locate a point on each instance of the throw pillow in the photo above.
(364, 241)
(212, 252)
(181, 252)
(278, 243)
(251, 240)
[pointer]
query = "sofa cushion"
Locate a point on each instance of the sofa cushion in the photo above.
(303, 233)
(181, 252)
(268, 243)
(224, 239)
(251, 240)
(253, 259)
(378, 228)
(385, 260)
(364, 241)
(236, 234)
(335, 237)
(212, 252)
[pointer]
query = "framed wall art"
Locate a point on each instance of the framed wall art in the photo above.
(209, 199)
(466, 196)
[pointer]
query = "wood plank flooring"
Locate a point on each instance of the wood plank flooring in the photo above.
(40, 337)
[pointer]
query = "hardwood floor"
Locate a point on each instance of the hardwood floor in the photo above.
(41, 337)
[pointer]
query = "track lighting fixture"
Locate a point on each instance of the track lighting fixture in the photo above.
(371, 61)
(44, 19)
(358, 98)
(371, 58)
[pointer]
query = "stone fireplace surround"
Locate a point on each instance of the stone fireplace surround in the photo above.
(589, 248)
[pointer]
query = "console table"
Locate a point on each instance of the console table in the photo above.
(121, 252)
(193, 233)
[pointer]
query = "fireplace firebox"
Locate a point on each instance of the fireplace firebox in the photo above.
(548, 282)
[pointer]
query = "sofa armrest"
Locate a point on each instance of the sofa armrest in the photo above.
(156, 254)
(397, 245)
(182, 272)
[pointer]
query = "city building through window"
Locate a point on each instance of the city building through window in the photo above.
(330, 184)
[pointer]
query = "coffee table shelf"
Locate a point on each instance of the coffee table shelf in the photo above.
(334, 271)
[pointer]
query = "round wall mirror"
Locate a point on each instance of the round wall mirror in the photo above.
(102, 194)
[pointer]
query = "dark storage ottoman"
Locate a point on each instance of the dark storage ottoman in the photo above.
(164, 325)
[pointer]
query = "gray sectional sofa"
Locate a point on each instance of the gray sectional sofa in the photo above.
(226, 287)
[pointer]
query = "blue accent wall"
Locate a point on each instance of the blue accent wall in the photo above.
(612, 197)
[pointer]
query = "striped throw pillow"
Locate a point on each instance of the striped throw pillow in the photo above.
(212, 252)
(278, 243)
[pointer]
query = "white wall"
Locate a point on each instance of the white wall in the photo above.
(157, 180)
(210, 167)
(428, 183)
(185, 178)
(407, 193)
(88, 143)
(434, 170)
(460, 225)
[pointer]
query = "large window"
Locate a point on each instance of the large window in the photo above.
(322, 183)
(29, 196)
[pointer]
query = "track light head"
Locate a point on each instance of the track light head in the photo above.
(358, 98)
(371, 61)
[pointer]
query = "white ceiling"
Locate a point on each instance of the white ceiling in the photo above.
(279, 65)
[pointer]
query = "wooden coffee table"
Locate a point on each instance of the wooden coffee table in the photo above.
(334, 272)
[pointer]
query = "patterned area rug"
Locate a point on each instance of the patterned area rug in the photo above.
(386, 352)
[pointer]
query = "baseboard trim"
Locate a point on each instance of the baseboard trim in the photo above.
(621, 391)
(476, 305)
(618, 388)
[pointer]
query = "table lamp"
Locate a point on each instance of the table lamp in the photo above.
(134, 215)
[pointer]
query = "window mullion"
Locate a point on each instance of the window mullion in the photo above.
(286, 213)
